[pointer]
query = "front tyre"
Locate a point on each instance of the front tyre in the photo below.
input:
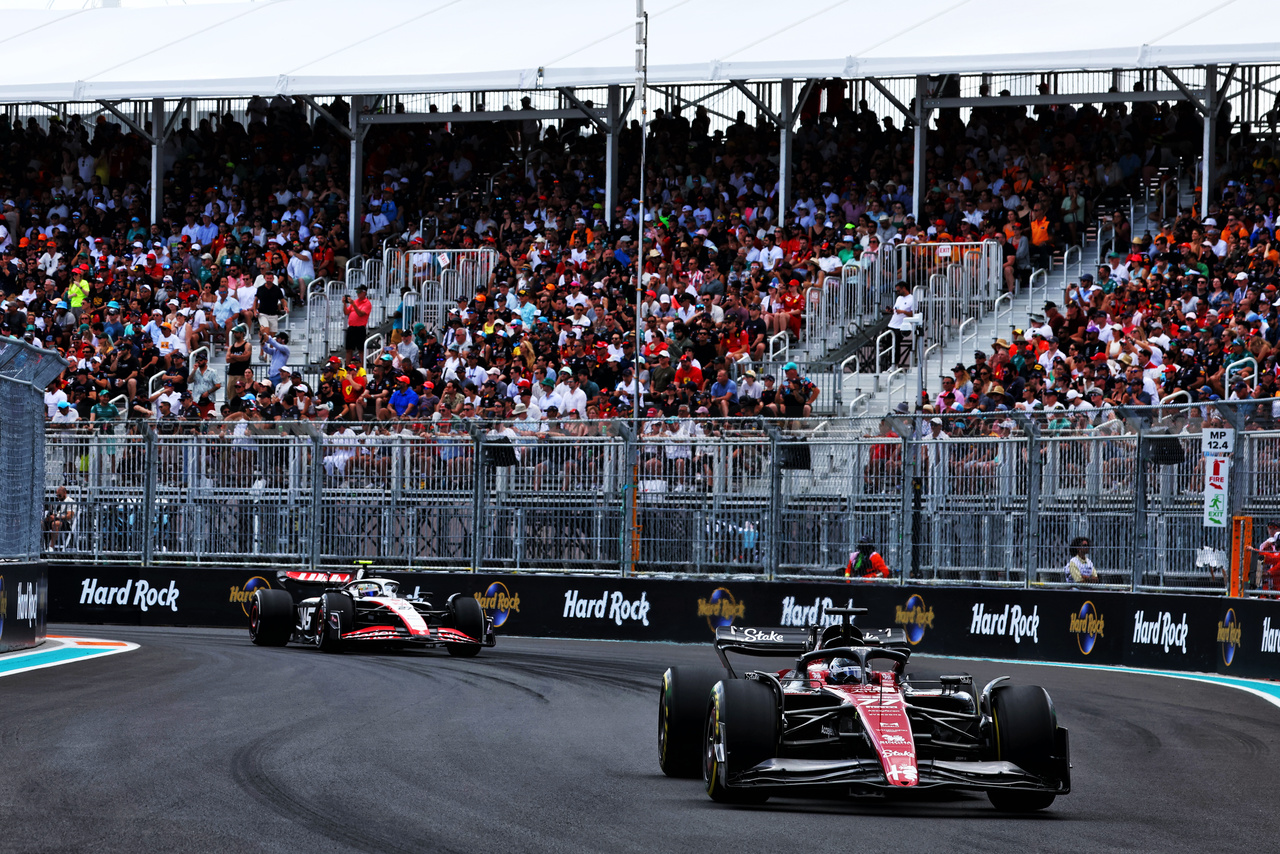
(334, 615)
(467, 617)
(271, 617)
(741, 732)
(1024, 723)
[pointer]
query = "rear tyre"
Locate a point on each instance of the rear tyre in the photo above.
(468, 618)
(333, 606)
(271, 617)
(1025, 722)
(682, 718)
(741, 731)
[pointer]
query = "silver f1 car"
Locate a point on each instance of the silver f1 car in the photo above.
(847, 716)
(337, 611)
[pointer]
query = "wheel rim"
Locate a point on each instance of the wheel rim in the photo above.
(663, 713)
(320, 624)
(253, 619)
(709, 751)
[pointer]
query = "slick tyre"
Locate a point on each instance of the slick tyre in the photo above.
(1024, 724)
(331, 606)
(467, 617)
(682, 718)
(741, 731)
(271, 617)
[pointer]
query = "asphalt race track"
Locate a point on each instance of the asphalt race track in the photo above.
(200, 741)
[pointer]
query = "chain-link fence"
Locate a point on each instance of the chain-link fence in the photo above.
(972, 497)
(24, 372)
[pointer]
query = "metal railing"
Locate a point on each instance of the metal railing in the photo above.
(980, 499)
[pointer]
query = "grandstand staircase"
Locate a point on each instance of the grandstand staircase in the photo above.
(872, 393)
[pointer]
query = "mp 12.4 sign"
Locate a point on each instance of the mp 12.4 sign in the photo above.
(1216, 445)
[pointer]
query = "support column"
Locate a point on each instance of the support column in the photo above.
(611, 153)
(1208, 153)
(786, 113)
(921, 133)
(355, 190)
(157, 158)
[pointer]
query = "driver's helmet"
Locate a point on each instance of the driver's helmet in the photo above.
(845, 671)
(366, 589)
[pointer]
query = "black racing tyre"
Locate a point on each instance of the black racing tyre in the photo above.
(742, 717)
(271, 617)
(468, 618)
(1024, 724)
(682, 717)
(328, 636)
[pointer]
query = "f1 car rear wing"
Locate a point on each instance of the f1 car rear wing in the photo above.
(767, 641)
(309, 577)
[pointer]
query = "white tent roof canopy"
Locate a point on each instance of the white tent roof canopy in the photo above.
(322, 47)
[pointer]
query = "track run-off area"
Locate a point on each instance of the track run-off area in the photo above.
(200, 741)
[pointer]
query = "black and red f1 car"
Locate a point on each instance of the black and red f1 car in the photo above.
(337, 610)
(847, 716)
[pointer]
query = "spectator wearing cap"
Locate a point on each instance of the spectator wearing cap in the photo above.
(403, 402)
(663, 374)
(949, 396)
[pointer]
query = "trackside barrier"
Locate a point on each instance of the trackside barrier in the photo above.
(1147, 630)
(24, 608)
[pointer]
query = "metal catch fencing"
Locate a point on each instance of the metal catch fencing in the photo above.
(980, 499)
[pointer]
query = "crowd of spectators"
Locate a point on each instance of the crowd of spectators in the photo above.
(1184, 314)
(254, 210)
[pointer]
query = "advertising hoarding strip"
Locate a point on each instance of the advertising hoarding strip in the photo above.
(1237, 637)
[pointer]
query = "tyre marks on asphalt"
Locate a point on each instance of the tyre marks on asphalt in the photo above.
(251, 772)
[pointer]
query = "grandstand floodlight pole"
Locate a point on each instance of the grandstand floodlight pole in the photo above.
(642, 84)
(355, 210)
(157, 158)
(785, 139)
(1211, 105)
(921, 129)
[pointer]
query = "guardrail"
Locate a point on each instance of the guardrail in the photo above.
(1042, 277)
(1238, 368)
(1067, 260)
(886, 355)
(372, 345)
